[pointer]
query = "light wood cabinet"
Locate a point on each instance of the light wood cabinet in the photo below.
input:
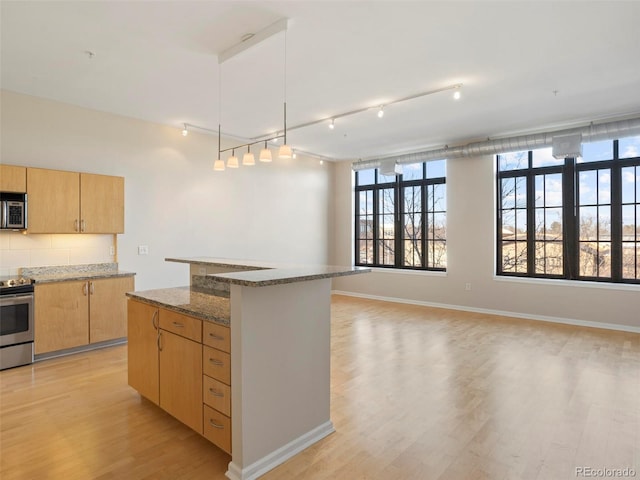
(61, 316)
(71, 202)
(101, 203)
(183, 325)
(142, 349)
(169, 365)
(76, 313)
(216, 380)
(181, 378)
(108, 308)
(53, 201)
(217, 428)
(13, 179)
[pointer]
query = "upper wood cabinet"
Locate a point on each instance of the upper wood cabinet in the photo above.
(101, 203)
(13, 179)
(71, 202)
(53, 202)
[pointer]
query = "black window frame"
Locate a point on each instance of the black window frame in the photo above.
(571, 209)
(398, 185)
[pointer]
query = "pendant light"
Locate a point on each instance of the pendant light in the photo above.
(265, 153)
(232, 162)
(248, 158)
(285, 150)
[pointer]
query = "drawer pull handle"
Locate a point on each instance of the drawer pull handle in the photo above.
(218, 363)
(216, 337)
(216, 393)
(215, 425)
(178, 325)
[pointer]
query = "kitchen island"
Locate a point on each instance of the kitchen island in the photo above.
(278, 319)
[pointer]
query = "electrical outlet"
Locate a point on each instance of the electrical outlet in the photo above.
(112, 250)
(202, 270)
(467, 287)
(143, 249)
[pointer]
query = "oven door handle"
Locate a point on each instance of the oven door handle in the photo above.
(18, 298)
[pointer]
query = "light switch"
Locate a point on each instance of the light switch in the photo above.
(143, 249)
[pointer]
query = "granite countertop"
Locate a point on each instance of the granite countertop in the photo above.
(260, 274)
(67, 273)
(197, 302)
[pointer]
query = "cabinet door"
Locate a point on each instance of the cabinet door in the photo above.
(13, 179)
(54, 199)
(108, 308)
(181, 379)
(101, 203)
(142, 349)
(61, 316)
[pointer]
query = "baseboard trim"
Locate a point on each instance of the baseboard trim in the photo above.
(80, 349)
(526, 316)
(281, 455)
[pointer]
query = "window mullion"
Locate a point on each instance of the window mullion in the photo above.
(376, 236)
(398, 213)
(531, 223)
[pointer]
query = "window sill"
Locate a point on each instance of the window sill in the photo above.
(552, 282)
(402, 271)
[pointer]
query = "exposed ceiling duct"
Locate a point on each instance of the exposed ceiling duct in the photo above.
(590, 133)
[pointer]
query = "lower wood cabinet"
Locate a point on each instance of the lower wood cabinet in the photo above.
(181, 378)
(169, 365)
(142, 349)
(76, 313)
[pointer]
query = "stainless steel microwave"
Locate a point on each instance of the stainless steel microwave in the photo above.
(13, 210)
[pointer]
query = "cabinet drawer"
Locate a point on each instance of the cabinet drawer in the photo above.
(217, 395)
(182, 325)
(217, 428)
(216, 364)
(216, 336)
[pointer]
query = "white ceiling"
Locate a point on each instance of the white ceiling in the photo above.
(524, 65)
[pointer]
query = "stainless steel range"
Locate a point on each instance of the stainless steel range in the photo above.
(16, 321)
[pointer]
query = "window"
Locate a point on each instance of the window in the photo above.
(401, 220)
(575, 219)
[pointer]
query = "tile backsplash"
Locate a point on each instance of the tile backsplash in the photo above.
(19, 250)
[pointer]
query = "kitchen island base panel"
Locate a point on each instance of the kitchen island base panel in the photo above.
(280, 456)
(280, 372)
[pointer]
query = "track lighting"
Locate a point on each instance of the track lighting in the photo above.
(456, 94)
(185, 132)
(381, 111)
(294, 155)
(332, 125)
(265, 153)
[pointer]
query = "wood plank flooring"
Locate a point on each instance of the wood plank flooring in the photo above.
(417, 393)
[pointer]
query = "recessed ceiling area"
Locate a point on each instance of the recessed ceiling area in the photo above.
(524, 66)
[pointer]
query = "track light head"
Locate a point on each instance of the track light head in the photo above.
(457, 94)
(381, 111)
(332, 125)
(185, 132)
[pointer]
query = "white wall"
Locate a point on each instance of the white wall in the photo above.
(174, 202)
(471, 257)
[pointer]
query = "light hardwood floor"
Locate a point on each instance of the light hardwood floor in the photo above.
(417, 393)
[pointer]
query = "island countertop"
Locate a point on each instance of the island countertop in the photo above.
(192, 301)
(260, 274)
